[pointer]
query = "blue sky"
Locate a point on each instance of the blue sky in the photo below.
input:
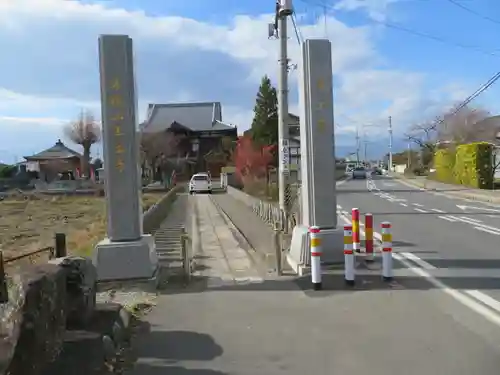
(218, 50)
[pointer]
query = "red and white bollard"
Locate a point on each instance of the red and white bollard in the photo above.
(369, 238)
(314, 233)
(386, 251)
(349, 273)
(356, 242)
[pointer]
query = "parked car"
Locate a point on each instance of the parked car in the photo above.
(200, 183)
(377, 171)
(359, 172)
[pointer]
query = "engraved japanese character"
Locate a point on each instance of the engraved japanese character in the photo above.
(115, 84)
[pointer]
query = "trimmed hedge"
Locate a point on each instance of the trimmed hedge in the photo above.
(470, 165)
(444, 163)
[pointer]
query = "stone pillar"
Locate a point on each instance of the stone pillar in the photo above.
(318, 192)
(126, 253)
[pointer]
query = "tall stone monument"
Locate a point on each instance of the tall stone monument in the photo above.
(126, 253)
(318, 192)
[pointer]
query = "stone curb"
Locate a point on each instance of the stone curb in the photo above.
(479, 198)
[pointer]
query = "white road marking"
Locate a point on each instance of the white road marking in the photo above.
(487, 300)
(422, 263)
(471, 219)
(418, 204)
(447, 218)
(420, 210)
(487, 230)
(463, 208)
(436, 210)
(404, 204)
(470, 300)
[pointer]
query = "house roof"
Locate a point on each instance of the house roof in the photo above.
(202, 116)
(58, 151)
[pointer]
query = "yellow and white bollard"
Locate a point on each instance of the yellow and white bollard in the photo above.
(387, 272)
(349, 274)
(314, 233)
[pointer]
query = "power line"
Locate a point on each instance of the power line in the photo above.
(472, 11)
(470, 98)
(298, 34)
(418, 33)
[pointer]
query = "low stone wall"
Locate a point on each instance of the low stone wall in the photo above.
(44, 300)
(153, 217)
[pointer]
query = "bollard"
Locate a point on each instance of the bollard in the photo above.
(60, 248)
(278, 250)
(349, 275)
(315, 257)
(369, 237)
(4, 292)
(386, 251)
(186, 262)
(356, 245)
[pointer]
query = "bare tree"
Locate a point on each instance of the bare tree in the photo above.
(156, 148)
(422, 134)
(464, 125)
(84, 131)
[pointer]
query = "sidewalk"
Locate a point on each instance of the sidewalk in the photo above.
(258, 234)
(481, 195)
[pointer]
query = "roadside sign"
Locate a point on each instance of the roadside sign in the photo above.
(285, 155)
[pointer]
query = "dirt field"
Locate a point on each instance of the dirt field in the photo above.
(29, 224)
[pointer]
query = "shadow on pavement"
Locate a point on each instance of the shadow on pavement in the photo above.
(368, 279)
(143, 369)
(179, 346)
(160, 352)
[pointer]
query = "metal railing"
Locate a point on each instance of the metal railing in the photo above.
(59, 250)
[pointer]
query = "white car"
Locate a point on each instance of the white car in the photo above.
(200, 183)
(359, 172)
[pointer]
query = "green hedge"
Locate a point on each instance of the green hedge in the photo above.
(444, 163)
(470, 165)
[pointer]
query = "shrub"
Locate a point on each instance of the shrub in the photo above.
(444, 163)
(474, 165)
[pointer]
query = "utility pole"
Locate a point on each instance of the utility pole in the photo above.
(283, 11)
(357, 146)
(390, 144)
(366, 146)
(409, 155)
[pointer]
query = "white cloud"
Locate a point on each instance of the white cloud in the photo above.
(376, 9)
(51, 70)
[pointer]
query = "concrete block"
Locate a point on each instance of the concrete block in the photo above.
(126, 260)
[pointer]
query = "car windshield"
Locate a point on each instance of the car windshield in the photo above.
(200, 178)
(359, 169)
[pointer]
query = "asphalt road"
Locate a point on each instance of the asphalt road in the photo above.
(451, 240)
(245, 325)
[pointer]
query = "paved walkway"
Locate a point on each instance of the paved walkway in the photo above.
(229, 322)
(223, 260)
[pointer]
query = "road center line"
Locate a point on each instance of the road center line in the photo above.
(447, 218)
(487, 300)
(487, 230)
(471, 219)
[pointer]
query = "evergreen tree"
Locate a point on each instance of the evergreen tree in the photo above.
(264, 130)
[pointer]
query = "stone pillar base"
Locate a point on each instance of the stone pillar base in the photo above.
(332, 244)
(126, 260)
